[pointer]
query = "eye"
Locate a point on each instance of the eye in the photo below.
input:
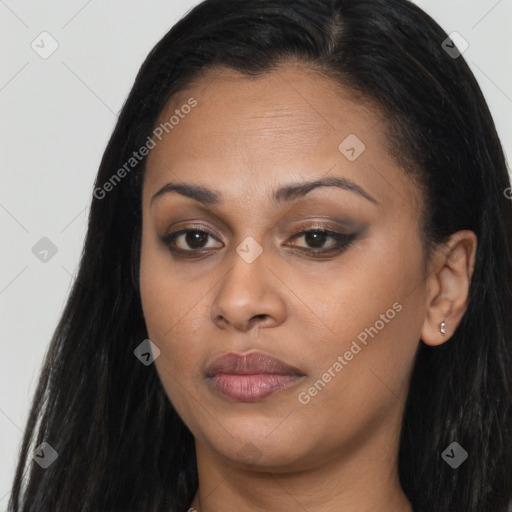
(188, 240)
(192, 240)
(316, 239)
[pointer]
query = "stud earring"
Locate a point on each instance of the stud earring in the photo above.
(442, 328)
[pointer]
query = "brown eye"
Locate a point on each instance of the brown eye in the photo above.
(188, 240)
(316, 239)
(193, 242)
(195, 239)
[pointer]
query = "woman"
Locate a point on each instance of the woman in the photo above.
(296, 286)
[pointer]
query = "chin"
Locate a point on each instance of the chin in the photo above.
(253, 447)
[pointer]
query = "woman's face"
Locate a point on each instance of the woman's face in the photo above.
(346, 313)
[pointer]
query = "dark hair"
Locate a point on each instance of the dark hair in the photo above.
(121, 445)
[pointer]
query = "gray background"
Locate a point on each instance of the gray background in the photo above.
(57, 115)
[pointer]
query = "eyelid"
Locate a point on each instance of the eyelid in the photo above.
(325, 225)
(341, 241)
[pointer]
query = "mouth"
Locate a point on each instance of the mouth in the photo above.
(250, 377)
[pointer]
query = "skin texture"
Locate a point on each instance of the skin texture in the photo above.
(245, 138)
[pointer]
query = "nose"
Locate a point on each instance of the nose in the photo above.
(249, 295)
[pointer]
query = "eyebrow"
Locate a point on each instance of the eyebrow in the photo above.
(289, 192)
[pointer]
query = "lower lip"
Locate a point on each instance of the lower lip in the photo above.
(250, 388)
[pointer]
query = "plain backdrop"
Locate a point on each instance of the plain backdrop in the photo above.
(57, 115)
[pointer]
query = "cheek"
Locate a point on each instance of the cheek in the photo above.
(384, 270)
(163, 300)
(174, 316)
(374, 316)
(372, 312)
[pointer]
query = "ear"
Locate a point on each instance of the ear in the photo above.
(448, 286)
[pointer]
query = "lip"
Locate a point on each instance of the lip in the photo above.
(251, 376)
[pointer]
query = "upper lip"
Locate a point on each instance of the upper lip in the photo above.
(250, 364)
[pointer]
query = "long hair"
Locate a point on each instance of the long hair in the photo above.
(121, 445)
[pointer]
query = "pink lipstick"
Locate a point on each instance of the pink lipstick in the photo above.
(250, 377)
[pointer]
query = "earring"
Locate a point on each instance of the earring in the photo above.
(442, 329)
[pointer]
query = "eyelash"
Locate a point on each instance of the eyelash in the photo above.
(343, 242)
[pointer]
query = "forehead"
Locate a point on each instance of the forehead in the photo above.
(289, 110)
(245, 133)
